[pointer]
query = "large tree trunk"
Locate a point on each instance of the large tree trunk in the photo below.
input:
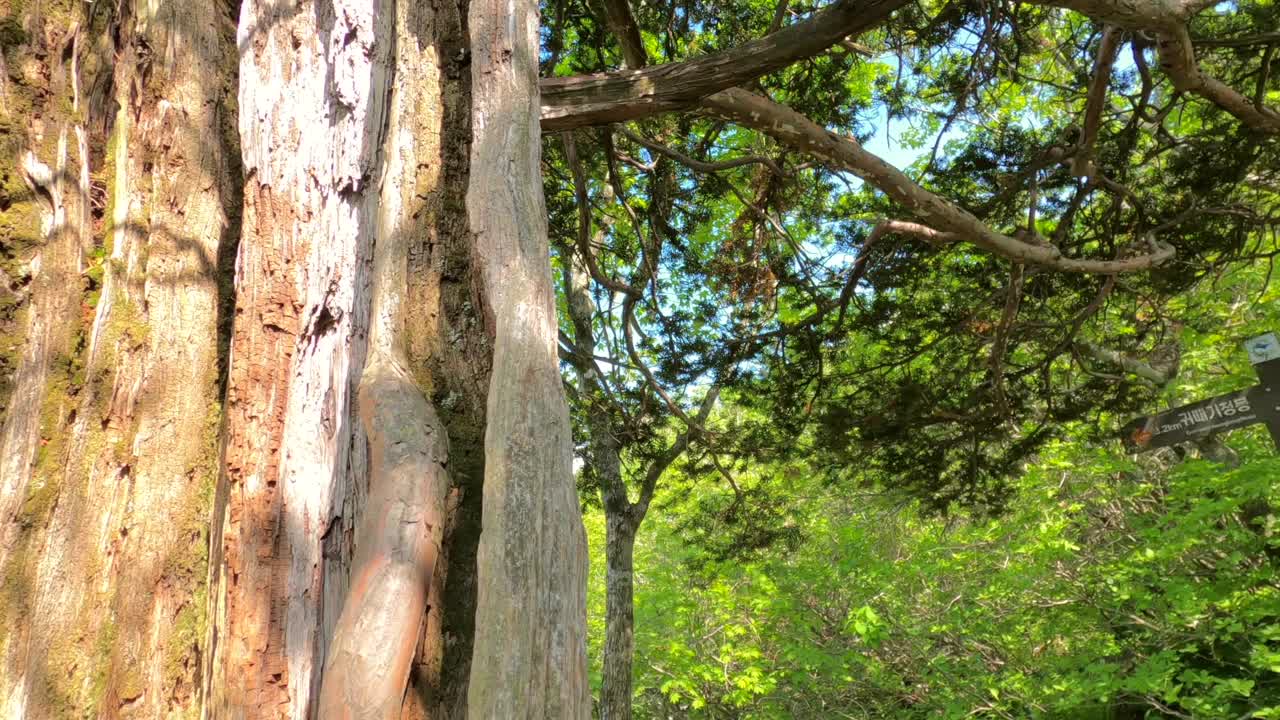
(383, 232)
(385, 367)
(108, 447)
(313, 97)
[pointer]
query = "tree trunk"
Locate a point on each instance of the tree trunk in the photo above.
(619, 640)
(313, 96)
(605, 463)
(530, 642)
(108, 446)
(449, 303)
(385, 367)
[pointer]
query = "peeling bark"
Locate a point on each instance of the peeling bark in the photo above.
(313, 97)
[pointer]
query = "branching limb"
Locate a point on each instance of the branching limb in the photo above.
(1177, 58)
(1082, 164)
(1168, 21)
(630, 94)
(798, 132)
(700, 165)
(673, 453)
(1131, 365)
(584, 222)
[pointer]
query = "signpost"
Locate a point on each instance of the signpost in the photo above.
(1258, 404)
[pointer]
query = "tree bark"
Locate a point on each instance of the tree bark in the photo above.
(313, 98)
(530, 642)
(619, 640)
(377, 245)
(427, 368)
(109, 442)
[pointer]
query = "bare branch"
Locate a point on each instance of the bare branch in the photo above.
(673, 453)
(1177, 58)
(584, 222)
(1271, 38)
(1264, 75)
(1131, 365)
(779, 15)
(700, 165)
(1001, 343)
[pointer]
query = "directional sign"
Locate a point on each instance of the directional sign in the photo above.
(1263, 348)
(1194, 421)
(1258, 404)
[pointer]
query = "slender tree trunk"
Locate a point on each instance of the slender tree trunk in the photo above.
(109, 439)
(605, 463)
(619, 640)
(530, 642)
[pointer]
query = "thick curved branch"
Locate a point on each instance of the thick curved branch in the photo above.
(800, 133)
(1168, 21)
(1131, 365)
(581, 101)
(1082, 163)
(1178, 59)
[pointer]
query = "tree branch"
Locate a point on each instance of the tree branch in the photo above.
(699, 165)
(798, 132)
(618, 17)
(673, 453)
(1082, 164)
(1270, 38)
(1168, 21)
(631, 94)
(1131, 365)
(1177, 58)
